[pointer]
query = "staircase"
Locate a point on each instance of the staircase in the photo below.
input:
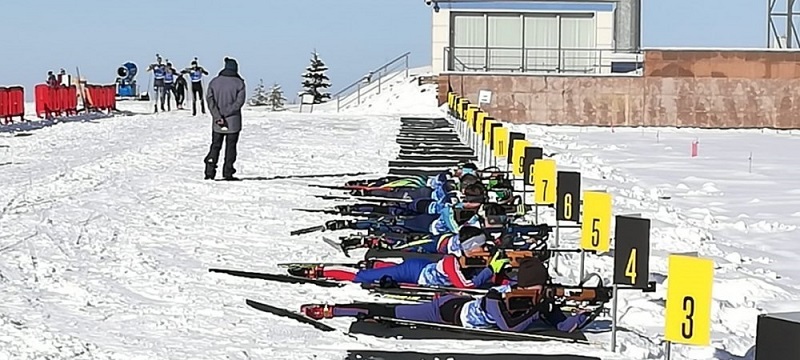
(372, 82)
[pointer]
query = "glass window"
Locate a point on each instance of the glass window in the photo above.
(469, 40)
(505, 42)
(541, 42)
(577, 38)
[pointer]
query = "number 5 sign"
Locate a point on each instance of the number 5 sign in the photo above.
(689, 300)
(596, 224)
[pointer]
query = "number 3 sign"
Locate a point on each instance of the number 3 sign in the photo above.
(689, 300)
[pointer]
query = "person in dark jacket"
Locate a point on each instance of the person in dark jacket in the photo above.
(488, 311)
(226, 97)
(180, 90)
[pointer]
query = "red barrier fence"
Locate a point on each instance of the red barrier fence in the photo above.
(62, 100)
(12, 103)
(56, 101)
(102, 97)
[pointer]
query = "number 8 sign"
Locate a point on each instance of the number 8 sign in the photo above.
(689, 300)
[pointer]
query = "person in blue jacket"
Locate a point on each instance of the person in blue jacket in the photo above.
(485, 312)
(159, 70)
(475, 194)
(196, 73)
(170, 77)
(434, 224)
(468, 237)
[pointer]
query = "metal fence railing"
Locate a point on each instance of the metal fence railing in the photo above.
(540, 60)
(372, 82)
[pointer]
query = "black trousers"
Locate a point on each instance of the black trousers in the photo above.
(197, 94)
(230, 154)
(180, 94)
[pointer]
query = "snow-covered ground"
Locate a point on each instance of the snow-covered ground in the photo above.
(743, 217)
(107, 231)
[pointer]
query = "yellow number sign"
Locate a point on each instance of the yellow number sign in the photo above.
(596, 226)
(471, 111)
(689, 300)
(487, 128)
(480, 118)
(500, 142)
(518, 155)
(450, 97)
(459, 107)
(544, 181)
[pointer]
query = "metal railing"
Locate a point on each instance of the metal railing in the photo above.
(541, 60)
(372, 81)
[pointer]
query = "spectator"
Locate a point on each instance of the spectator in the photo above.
(180, 90)
(51, 79)
(226, 97)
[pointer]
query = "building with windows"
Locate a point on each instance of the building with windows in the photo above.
(527, 37)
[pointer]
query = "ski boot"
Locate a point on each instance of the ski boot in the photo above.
(317, 311)
(339, 225)
(356, 183)
(309, 272)
(352, 242)
(344, 209)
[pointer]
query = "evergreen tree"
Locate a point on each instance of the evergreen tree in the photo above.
(260, 95)
(276, 98)
(315, 81)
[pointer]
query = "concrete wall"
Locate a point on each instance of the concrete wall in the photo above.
(440, 32)
(710, 89)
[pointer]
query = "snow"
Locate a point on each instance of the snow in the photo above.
(107, 231)
(714, 204)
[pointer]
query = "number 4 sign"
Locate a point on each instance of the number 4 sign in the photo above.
(689, 300)
(632, 252)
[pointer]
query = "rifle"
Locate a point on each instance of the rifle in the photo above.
(523, 299)
(482, 258)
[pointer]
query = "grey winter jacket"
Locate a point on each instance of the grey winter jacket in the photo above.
(226, 96)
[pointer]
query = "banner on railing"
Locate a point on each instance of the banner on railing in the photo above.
(12, 103)
(59, 100)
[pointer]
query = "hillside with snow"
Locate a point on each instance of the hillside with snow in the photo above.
(107, 230)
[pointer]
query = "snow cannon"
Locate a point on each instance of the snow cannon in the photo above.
(126, 81)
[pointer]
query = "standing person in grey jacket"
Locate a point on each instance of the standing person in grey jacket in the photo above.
(226, 96)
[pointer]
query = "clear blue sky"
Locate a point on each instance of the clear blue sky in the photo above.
(272, 39)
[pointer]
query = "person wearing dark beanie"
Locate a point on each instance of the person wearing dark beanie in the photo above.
(531, 273)
(226, 97)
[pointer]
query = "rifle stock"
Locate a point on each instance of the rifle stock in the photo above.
(522, 299)
(482, 258)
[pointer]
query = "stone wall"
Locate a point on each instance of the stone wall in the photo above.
(709, 89)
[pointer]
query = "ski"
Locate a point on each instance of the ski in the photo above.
(289, 314)
(278, 278)
(310, 265)
(364, 198)
(485, 332)
(353, 187)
